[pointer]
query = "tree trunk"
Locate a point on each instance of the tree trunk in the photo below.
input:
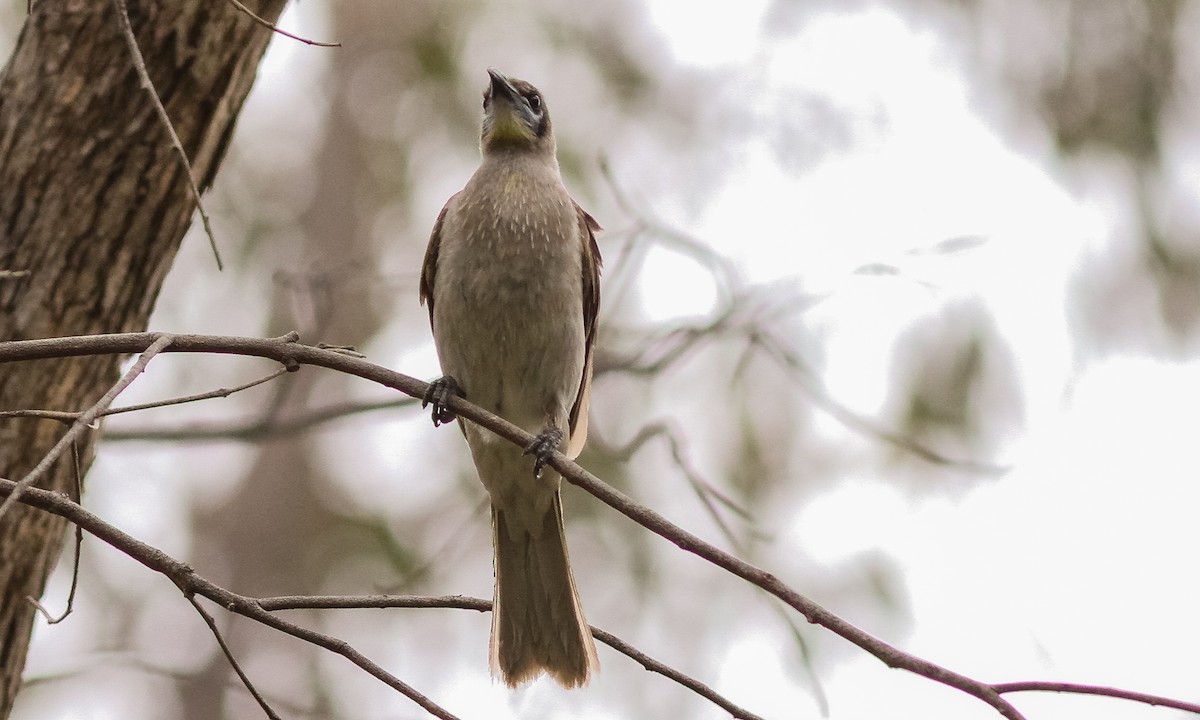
(93, 206)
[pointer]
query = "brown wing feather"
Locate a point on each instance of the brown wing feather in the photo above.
(429, 265)
(591, 309)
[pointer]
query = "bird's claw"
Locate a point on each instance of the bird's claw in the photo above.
(439, 393)
(543, 446)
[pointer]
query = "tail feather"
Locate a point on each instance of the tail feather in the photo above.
(537, 621)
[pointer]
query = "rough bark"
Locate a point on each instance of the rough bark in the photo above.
(93, 206)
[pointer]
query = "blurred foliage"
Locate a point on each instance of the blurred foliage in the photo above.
(1113, 83)
(953, 383)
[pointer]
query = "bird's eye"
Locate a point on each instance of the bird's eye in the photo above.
(535, 102)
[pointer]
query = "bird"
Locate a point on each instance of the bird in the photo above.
(511, 278)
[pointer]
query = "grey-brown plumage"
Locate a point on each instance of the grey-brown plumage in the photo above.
(511, 279)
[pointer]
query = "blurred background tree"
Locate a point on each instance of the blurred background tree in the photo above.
(895, 279)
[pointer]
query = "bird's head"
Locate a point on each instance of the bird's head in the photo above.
(515, 117)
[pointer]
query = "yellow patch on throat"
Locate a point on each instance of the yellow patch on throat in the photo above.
(508, 126)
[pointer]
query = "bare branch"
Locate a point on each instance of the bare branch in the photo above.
(294, 602)
(190, 583)
(708, 494)
(218, 393)
(806, 378)
(288, 351)
(655, 666)
(237, 668)
(656, 353)
(376, 602)
(1078, 689)
(273, 28)
(139, 64)
(78, 493)
(256, 430)
(723, 271)
(85, 420)
(66, 416)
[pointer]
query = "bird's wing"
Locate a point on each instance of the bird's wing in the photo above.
(590, 264)
(429, 266)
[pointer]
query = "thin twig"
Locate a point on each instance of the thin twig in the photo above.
(76, 495)
(724, 272)
(655, 355)
(274, 28)
(253, 431)
(237, 668)
(66, 416)
(85, 420)
(671, 673)
(706, 492)
(1080, 689)
(218, 393)
(139, 64)
(189, 582)
(295, 602)
(803, 375)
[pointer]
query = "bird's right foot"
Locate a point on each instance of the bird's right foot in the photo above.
(548, 442)
(439, 393)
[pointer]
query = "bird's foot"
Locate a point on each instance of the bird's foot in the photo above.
(439, 393)
(546, 443)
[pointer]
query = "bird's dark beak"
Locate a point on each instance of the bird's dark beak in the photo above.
(502, 87)
(509, 117)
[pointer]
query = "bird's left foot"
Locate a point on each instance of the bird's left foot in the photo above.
(545, 444)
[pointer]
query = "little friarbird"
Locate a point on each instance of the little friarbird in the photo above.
(512, 282)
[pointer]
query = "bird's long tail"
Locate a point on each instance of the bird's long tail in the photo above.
(537, 622)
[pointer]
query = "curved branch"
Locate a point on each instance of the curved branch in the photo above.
(288, 351)
(292, 354)
(1079, 689)
(189, 583)
(461, 602)
(211, 622)
(276, 29)
(257, 608)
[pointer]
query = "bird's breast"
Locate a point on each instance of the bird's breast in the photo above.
(508, 308)
(515, 239)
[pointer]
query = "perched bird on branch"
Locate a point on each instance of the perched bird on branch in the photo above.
(512, 281)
